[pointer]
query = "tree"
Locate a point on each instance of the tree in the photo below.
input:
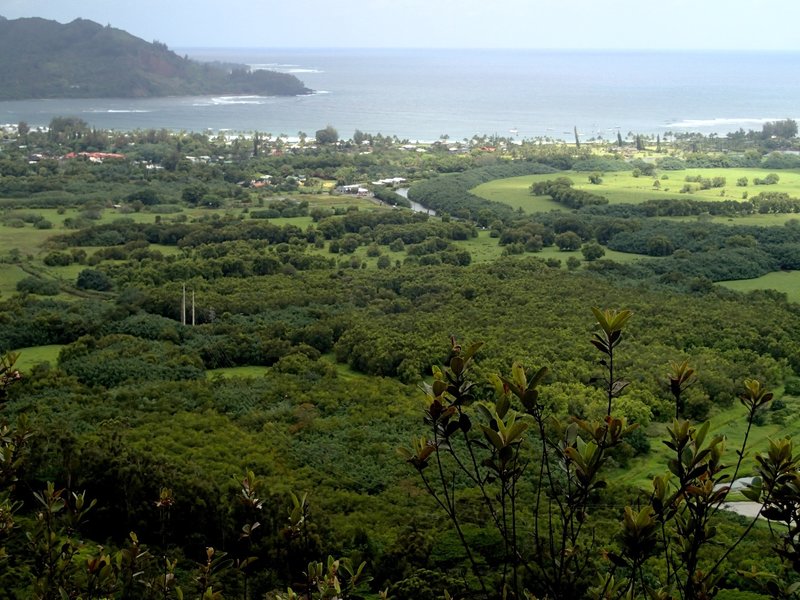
(786, 129)
(568, 241)
(34, 285)
(147, 196)
(65, 129)
(194, 194)
(659, 245)
(92, 279)
(593, 251)
(327, 136)
(573, 262)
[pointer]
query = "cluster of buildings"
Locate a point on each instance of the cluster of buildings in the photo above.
(360, 189)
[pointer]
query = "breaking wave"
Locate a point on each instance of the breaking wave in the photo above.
(116, 110)
(283, 68)
(228, 100)
(721, 121)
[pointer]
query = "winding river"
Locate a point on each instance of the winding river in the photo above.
(415, 206)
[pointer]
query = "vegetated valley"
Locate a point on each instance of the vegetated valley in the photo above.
(237, 366)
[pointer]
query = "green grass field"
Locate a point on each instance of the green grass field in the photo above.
(623, 187)
(342, 370)
(28, 357)
(787, 282)
(229, 372)
(777, 220)
(483, 248)
(9, 276)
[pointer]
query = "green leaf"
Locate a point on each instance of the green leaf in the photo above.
(600, 317)
(753, 491)
(502, 406)
(493, 437)
(530, 398)
(518, 374)
(471, 350)
(537, 378)
(515, 431)
(700, 436)
(457, 365)
(464, 422)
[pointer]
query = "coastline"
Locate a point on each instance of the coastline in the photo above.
(423, 95)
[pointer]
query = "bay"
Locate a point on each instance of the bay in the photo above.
(425, 94)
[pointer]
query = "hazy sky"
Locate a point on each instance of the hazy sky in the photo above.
(636, 24)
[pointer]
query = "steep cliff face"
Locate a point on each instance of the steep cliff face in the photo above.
(82, 59)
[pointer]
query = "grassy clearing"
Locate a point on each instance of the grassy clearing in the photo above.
(9, 276)
(483, 248)
(621, 257)
(35, 355)
(778, 220)
(515, 192)
(27, 240)
(243, 372)
(623, 187)
(787, 282)
(342, 370)
(67, 274)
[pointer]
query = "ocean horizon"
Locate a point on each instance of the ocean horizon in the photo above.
(424, 94)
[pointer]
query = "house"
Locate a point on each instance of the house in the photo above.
(356, 189)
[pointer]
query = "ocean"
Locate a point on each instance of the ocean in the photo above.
(426, 94)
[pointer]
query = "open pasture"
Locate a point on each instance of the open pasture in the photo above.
(623, 188)
(9, 276)
(759, 220)
(787, 282)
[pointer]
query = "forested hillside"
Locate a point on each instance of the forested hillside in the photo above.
(82, 59)
(218, 373)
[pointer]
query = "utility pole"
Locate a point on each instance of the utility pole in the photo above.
(193, 321)
(183, 306)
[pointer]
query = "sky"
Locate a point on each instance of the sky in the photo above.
(562, 24)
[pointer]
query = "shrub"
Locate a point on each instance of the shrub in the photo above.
(593, 251)
(34, 285)
(58, 259)
(595, 178)
(92, 279)
(792, 386)
(568, 241)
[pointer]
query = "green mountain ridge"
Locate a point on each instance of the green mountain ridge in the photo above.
(40, 58)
